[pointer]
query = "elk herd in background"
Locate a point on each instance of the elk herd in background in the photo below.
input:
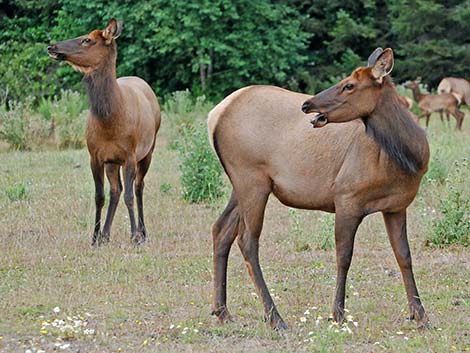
(368, 157)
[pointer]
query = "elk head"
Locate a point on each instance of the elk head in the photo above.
(88, 52)
(355, 96)
(413, 84)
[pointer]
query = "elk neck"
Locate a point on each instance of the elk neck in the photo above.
(103, 90)
(417, 93)
(392, 127)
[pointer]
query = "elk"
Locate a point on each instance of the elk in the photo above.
(459, 87)
(122, 124)
(429, 103)
(369, 157)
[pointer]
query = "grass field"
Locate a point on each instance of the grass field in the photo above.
(57, 293)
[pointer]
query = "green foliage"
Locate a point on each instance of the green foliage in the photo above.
(181, 111)
(200, 169)
(17, 191)
(165, 188)
(324, 236)
(301, 242)
(67, 113)
(21, 127)
(321, 239)
(454, 225)
(58, 121)
(431, 38)
(215, 47)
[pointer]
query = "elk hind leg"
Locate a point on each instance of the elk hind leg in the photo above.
(224, 232)
(114, 178)
(97, 170)
(252, 213)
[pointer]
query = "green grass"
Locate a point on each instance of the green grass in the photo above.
(157, 297)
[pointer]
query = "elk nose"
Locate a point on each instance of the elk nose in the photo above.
(51, 47)
(305, 106)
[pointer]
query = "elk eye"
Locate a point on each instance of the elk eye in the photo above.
(348, 87)
(86, 41)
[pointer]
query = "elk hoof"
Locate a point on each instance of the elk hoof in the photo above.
(138, 238)
(279, 325)
(276, 322)
(223, 315)
(100, 239)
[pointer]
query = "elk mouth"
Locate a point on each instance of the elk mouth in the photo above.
(55, 55)
(319, 120)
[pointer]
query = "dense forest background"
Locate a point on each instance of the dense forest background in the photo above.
(213, 47)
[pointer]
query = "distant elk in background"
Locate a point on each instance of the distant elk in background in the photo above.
(459, 87)
(121, 128)
(439, 103)
(369, 157)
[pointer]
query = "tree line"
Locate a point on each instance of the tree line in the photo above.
(213, 47)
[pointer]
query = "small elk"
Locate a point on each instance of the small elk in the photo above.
(369, 157)
(121, 128)
(430, 103)
(459, 87)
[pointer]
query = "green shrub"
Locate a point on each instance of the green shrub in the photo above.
(21, 127)
(68, 116)
(200, 169)
(182, 111)
(453, 227)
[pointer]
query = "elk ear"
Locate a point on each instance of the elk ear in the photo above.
(384, 65)
(112, 31)
(373, 57)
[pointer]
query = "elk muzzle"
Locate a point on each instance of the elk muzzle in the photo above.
(320, 119)
(54, 53)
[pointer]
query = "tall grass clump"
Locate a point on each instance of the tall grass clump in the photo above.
(182, 111)
(21, 127)
(200, 169)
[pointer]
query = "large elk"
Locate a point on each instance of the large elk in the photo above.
(430, 103)
(459, 87)
(122, 124)
(372, 162)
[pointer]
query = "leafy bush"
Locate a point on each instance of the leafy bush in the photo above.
(68, 115)
(21, 127)
(200, 169)
(454, 225)
(181, 111)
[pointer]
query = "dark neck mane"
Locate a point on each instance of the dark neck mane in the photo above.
(394, 130)
(102, 89)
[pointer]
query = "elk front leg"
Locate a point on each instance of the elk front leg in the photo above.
(130, 171)
(345, 232)
(396, 230)
(97, 169)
